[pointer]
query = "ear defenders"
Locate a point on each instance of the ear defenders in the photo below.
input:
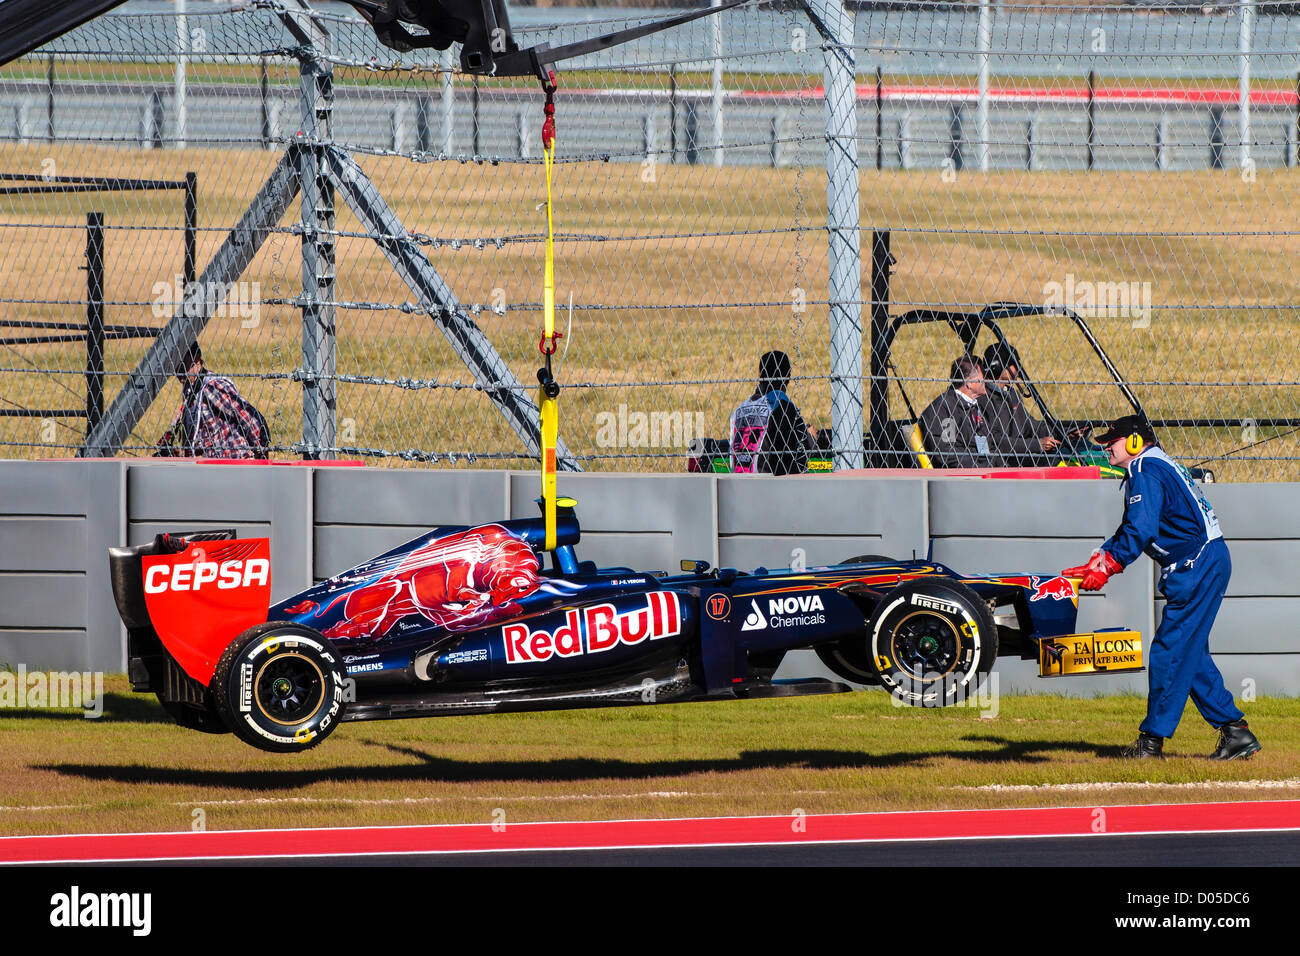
(1134, 444)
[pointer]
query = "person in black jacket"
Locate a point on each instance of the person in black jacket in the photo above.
(955, 426)
(767, 432)
(1018, 438)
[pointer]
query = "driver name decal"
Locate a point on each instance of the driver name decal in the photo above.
(595, 629)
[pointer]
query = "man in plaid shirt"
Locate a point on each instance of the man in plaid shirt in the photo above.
(214, 421)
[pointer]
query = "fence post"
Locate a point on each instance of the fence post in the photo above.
(474, 116)
(94, 320)
(672, 113)
(151, 122)
(189, 267)
(265, 103)
(20, 122)
(905, 139)
(776, 140)
(716, 24)
(954, 135)
(692, 132)
(448, 102)
(1216, 137)
(1092, 115)
(1247, 18)
(985, 42)
(1162, 141)
(316, 89)
(49, 99)
(401, 127)
(843, 222)
(880, 118)
(178, 83)
(881, 261)
(423, 139)
(521, 133)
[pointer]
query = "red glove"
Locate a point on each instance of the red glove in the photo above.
(1096, 572)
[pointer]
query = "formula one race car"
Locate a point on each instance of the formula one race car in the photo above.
(468, 620)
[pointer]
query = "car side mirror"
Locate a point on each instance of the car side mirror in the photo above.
(695, 567)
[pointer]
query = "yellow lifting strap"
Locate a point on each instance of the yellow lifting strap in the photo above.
(549, 391)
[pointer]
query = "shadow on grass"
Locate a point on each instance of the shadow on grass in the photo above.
(118, 708)
(425, 767)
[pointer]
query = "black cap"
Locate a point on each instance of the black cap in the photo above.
(774, 365)
(191, 355)
(1127, 425)
(998, 356)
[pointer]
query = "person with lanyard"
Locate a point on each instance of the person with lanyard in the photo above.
(954, 427)
(1167, 517)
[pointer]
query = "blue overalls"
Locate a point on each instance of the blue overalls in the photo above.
(1167, 517)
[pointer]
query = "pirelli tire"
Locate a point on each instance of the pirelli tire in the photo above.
(280, 687)
(932, 642)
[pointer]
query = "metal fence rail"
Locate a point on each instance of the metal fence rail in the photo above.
(716, 196)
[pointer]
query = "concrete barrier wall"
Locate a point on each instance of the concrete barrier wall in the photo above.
(57, 520)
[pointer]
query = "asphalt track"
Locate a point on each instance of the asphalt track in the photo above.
(1251, 833)
(1179, 850)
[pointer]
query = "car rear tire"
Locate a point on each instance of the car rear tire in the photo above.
(932, 642)
(279, 687)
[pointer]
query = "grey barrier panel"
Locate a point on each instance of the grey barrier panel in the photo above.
(1261, 525)
(57, 521)
(761, 521)
(1275, 675)
(1256, 625)
(362, 512)
(258, 500)
(645, 522)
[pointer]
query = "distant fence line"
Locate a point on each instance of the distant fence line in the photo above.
(901, 125)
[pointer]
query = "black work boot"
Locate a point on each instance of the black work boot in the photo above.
(1147, 745)
(1235, 742)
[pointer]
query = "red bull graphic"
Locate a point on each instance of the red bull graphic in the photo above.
(459, 581)
(597, 628)
(1058, 589)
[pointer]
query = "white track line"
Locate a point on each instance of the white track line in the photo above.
(1290, 784)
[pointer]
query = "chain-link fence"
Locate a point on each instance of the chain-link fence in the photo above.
(355, 236)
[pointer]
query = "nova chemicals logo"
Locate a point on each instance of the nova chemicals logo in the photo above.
(756, 620)
(796, 611)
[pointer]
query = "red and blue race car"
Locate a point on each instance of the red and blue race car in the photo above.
(467, 620)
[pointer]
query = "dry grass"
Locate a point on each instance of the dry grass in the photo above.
(133, 770)
(1222, 310)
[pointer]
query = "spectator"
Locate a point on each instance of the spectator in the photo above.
(767, 432)
(953, 426)
(1018, 438)
(214, 420)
